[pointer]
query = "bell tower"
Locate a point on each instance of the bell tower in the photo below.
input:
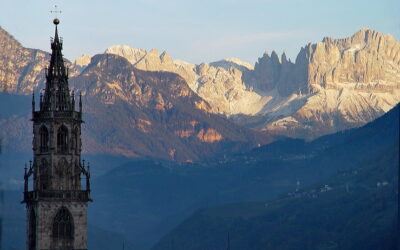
(57, 182)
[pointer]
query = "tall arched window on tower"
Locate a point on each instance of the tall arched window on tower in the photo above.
(32, 230)
(44, 139)
(44, 175)
(63, 225)
(62, 139)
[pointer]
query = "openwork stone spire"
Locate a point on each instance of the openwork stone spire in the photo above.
(56, 96)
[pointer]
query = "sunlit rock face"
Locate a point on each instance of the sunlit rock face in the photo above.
(365, 57)
(332, 85)
(219, 83)
(335, 84)
(81, 62)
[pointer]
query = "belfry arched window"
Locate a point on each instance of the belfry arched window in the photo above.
(63, 224)
(44, 139)
(62, 139)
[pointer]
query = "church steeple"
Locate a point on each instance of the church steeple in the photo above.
(57, 95)
(57, 199)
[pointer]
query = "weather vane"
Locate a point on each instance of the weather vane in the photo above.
(55, 11)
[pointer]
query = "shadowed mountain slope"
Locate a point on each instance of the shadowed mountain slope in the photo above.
(354, 209)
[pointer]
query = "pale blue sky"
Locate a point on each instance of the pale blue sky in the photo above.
(196, 31)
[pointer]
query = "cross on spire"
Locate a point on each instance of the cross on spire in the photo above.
(55, 11)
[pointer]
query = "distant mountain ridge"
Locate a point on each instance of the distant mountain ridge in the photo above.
(333, 85)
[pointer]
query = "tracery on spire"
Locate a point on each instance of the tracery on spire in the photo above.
(57, 95)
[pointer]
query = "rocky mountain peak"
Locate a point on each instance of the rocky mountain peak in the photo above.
(81, 62)
(274, 57)
(165, 58)
(133, 55)
(284, 58)
(267, 71)
(153, 52)
(365, 57)
(234, 63)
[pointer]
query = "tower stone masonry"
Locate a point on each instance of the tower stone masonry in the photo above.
(57, 182)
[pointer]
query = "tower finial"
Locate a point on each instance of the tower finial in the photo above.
(56, 21)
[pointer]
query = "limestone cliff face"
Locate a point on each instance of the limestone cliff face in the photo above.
(225, 90)
(133, 55)
(365, 57)
(219, 83)
(335, 84)
(81, 62)
(271, 73)
(153, 61)
(21, 69)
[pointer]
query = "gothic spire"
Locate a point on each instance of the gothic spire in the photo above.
(57, 96)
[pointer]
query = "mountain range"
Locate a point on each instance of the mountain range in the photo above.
(333, 85)
(144, 104)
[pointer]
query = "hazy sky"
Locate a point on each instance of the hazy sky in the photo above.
(195, 31)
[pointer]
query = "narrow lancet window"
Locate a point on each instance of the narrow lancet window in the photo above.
(62, 139)
(44, 175)
(44, 139)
